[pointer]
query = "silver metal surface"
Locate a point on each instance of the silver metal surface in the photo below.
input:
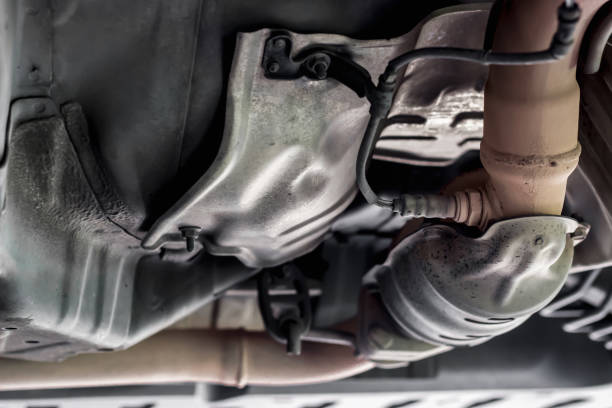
(286, 167)
(438, 110)
(379, 339)
(443, 287)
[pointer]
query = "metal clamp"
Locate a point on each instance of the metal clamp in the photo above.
(317, 62)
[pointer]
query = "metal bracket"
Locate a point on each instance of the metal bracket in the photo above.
(287, 317)
(317, 62)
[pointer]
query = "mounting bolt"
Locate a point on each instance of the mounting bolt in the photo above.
(279, 43)
(293, 335)
(273, 67)
(318, 65)
(190, 234)
(320, 69)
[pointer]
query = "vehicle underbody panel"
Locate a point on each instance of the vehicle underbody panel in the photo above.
(373, 184)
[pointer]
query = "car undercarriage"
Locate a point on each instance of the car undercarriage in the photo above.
(274, 193)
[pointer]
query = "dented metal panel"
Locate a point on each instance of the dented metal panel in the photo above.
(438, 109)
(444, 287)
(286, 167)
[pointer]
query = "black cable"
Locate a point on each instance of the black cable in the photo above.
(381, 100)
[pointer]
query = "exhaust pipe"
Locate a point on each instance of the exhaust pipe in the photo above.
(530, 144)
(234, 358)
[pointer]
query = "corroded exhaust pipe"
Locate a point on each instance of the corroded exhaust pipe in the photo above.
(530, 142)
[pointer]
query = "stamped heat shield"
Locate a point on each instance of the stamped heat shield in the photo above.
(284, 171)
(443, 288)
(286, 167)
(438, 109)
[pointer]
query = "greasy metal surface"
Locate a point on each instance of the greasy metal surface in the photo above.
(71, 279)
(438, 109)
(286, 167)
(448, 288)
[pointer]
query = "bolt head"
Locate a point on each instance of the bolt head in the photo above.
(279, 43)
(320, 69)
(273, 67)
(190, 232)
(318, 65)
